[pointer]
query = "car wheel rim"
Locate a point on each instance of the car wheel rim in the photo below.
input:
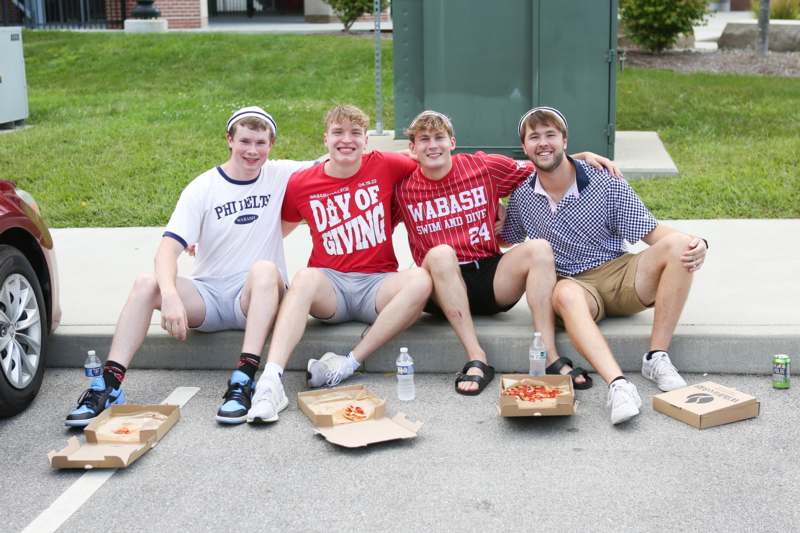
(20, 331)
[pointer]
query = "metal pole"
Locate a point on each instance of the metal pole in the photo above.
(763, 28)
(378, 96)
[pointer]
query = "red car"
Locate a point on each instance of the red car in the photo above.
(29, 306)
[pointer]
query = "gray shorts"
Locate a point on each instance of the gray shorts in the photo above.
(355, 295)
(223, 300)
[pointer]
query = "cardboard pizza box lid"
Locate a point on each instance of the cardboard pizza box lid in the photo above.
(96, 452)
(323, 408)
(707, 404)
(359, 434)
(562, 405)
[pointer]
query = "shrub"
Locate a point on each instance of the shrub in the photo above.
(348, 11)
(656, 24)
(780, 9)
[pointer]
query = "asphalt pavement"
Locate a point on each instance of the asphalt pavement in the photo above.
(468, 470)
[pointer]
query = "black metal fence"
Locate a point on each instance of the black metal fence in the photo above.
(66, 14)
(254, 8)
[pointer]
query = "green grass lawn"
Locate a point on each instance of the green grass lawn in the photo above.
(120, 123)
(735, 140)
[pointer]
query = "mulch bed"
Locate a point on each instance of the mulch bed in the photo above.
(785, 64)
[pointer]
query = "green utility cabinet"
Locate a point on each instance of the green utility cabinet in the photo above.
(486, 62)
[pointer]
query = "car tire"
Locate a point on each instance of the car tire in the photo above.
(23, 324)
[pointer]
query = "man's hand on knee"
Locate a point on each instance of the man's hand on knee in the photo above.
(173, 316)
(695, 254)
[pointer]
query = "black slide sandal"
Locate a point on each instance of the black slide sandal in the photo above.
(559, 363)
(482, 381)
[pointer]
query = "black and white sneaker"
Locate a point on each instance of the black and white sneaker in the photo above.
(237, 399)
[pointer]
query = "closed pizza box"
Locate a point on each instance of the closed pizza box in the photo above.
(707, 404)
(333, 413)
(117, 437)
(513, 406)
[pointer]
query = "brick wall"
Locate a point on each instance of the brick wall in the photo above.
(180, 13)
(385, 17)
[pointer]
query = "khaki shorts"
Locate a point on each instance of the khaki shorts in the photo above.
(612, 287)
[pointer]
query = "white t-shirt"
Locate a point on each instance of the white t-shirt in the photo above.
(233, 223)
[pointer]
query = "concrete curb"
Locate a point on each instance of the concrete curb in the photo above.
(435, 348)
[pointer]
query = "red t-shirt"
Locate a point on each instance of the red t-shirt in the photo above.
(350, 218)
(460, 209)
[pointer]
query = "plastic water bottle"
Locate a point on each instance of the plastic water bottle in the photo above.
(405, 376)
(537, 355)
(92, 367)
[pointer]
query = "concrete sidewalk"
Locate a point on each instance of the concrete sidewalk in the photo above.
(742, 308)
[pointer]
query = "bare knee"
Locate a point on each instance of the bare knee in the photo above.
(674, 245)
(145, 287)
(441, 259)
(305, 281)
(539, 253)
(568, 298)
(418, 283)
(265, 276)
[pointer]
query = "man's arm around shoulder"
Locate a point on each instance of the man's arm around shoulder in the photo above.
(173, 312)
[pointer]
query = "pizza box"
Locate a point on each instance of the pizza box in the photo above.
(707, 404)
(325, 408)
(108, 447)
(562, 405)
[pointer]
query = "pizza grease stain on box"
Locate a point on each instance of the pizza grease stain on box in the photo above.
(117, 437)
(353, 417)
(707, 404)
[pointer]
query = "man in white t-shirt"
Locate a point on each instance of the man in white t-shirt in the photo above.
(232, 214)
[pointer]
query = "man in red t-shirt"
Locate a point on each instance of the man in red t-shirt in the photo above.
(352, 273)
(449, 206)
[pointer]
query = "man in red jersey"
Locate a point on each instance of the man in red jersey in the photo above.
(352, 273)
(449, 206)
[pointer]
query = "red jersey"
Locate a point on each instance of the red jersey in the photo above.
(350, 218)
(460, 209)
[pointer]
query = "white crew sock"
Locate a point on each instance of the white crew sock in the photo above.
(274, 369)
(354, 364)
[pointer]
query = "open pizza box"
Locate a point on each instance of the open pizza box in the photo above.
(327, 409)
(707, 404)
(561, 405)
(117, 437)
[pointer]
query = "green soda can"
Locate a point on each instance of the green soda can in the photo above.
(781, 369)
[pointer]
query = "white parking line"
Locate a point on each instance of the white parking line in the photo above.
(79, 492)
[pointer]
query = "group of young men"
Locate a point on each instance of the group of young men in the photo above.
(570, 218)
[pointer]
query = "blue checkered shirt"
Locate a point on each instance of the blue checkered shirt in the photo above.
(587, 231)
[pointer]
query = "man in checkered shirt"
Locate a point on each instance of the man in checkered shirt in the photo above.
(587, 216)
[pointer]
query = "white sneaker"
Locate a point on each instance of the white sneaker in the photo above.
(268, 400)
(328, 371)
(623, 400)
(660, 370)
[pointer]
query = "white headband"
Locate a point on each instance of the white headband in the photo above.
(435, 114)
(252, 111)
(552, 110)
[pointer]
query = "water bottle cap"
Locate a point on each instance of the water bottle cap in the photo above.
(403, 350)
(91, 352)
(537, 333)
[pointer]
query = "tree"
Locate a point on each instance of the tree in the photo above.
(348, 11)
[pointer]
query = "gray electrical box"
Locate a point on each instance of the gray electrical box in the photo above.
(13, 88)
